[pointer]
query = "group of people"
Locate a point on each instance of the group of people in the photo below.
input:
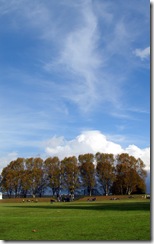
(63, 198)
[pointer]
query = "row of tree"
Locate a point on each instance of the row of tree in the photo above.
(122, 174)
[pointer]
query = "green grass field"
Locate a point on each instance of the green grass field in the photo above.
(101, 220)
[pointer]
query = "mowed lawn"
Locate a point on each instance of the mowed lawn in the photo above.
(100, 220)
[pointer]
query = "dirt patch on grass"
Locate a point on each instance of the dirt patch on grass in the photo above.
(21, 200)
(113, 197)
(82, 199)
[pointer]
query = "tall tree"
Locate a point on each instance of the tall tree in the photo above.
(26, 182)
(130, 174)
(53, 174)
(70, 172)
(105, 170)
(87, 171)
(35, 174)
(0, 182)
(11, 177)
(7, 181)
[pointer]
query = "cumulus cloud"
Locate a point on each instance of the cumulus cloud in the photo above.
(142, 53)
(144, 154)
(87, 142)
(93, 142)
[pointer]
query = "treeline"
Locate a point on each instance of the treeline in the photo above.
(121, 174)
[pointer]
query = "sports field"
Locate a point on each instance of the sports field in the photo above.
(124, 219)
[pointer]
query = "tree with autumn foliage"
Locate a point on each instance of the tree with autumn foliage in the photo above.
(0, 183)
(123, 174)
(11, 177)
(35, 173)
(70, 174)
(87, 171)
(105, 170)
(130, 174)
(53, 174)
(7, 181)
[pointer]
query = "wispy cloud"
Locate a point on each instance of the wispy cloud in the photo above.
(68, 65)
(85, 66)
(79, 57)
(75, 49)
(142, 53)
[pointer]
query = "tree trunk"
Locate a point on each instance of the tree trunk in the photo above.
(106, 190)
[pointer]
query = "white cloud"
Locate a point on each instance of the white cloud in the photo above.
(83, 48)
(7, 159)
(93, 142)
(137, 152)
(86, 79)
(80, 57)
(142, 53)
(87, 142)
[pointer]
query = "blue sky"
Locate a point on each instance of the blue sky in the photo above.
(72, 74)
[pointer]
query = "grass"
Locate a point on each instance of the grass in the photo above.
(101, 220)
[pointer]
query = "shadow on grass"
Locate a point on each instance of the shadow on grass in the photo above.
(118, 206)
